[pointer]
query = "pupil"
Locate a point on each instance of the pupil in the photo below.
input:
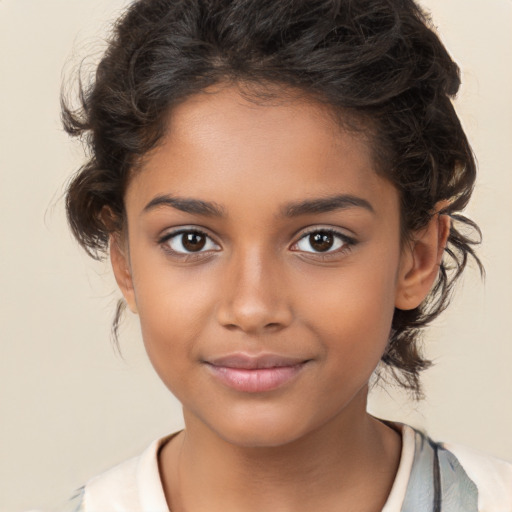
(193, 241)
(321, 241)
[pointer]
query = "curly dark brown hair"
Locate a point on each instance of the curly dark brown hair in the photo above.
(378, 62)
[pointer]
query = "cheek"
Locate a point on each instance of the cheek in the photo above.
(173, 305)
(353, 311)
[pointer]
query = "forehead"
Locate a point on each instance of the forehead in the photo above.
(219, 143)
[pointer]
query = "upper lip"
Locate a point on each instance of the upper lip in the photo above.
(252, 362)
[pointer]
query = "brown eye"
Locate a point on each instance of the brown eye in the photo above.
(193, 241)
(188, 241)
(321, 241)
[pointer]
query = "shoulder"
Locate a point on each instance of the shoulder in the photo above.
(491, 476)
(460, 475)
(132, 486)
(118, 484)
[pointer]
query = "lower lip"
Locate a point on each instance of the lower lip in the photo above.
(255, 380)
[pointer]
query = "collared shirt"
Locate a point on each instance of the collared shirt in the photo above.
(431, 477)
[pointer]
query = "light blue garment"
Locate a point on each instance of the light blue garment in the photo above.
(437, 481)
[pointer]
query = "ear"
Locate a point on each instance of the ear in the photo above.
(122, 270)
(420, 261)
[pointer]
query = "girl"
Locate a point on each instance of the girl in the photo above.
(279, 186)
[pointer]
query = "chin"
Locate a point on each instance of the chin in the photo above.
(258, 430)
(258, 439)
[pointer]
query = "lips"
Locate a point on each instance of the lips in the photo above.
(255, 374)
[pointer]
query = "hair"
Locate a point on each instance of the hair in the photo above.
(378, 62)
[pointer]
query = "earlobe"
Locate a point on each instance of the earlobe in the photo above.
(122, 271)
(420, 262)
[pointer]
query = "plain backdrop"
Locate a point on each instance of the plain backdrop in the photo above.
(69, 406)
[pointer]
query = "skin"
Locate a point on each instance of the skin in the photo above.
(260, 285)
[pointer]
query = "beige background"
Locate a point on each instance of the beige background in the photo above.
(69, 407)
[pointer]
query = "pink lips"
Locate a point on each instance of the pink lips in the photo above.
(255, 374)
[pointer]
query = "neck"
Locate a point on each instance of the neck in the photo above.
(349, 463)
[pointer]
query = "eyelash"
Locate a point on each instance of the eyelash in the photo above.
(347, 243)
(187, 256)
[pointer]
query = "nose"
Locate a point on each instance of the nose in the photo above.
(254, 297)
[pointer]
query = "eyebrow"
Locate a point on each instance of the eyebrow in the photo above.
(325, 204)
(197, 206)
(289, 210)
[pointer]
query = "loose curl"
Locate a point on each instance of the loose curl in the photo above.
(377, 63)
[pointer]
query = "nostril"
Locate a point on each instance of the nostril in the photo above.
(253, 327)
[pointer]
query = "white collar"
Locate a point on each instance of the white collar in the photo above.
(136, 485)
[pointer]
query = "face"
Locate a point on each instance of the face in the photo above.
(263, 257)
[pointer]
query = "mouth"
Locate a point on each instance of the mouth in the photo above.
(255, 374)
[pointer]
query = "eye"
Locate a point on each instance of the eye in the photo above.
(188, 241)
(324, 241)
